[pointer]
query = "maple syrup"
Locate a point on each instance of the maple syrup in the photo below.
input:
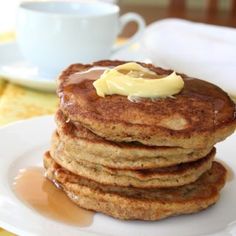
(32, 187)
(90, 74)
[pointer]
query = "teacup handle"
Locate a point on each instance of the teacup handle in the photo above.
(124, 20)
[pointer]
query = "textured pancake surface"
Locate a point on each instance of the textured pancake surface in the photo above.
(199, 116)
(135, 203)
(147, 178)
(82, 144)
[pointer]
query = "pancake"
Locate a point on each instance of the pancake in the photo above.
(82, 144)
(199, 116)
(132, 203)
(149, 178)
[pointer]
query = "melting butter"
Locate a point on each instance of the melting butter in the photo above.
(134, 80)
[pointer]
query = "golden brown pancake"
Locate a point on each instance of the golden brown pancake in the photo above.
(177, 175)
(82, 144)
(134, 203)
(199, 116)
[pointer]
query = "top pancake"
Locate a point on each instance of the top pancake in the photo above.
(199, 116)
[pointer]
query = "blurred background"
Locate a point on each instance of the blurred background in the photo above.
(219, 12)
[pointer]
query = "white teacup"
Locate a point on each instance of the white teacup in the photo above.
(55, 34)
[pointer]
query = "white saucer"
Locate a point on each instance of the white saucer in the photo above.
(14, 68)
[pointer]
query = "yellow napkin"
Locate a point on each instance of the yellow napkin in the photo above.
(2, 86)
(18, 103)
(5, 233)
(8, 36)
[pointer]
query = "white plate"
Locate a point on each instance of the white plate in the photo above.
(23, 144)
(14, 68)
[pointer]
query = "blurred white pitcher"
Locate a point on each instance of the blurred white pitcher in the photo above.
(55, 34)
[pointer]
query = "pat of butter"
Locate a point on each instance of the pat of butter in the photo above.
(132, 79)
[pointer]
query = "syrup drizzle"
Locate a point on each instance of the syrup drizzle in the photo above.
(90, 74)
(33, 188)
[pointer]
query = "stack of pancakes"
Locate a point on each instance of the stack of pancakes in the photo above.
(141, 159)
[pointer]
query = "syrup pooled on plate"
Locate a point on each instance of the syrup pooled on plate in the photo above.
(32, 187)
